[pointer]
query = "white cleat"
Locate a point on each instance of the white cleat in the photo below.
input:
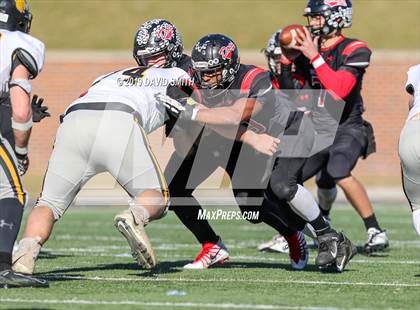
(277, 244)
(377, 240)
(25, 255)
(210, 254)
(137, 239)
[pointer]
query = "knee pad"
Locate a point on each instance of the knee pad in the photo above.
(324, 180)
(326, 197)
(283, 191)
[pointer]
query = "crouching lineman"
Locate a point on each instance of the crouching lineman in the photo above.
(22, 58)
(409, 146)
(216, 68)
(105, 131)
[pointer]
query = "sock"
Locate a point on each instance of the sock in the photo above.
(320, 225)
(325, 212)
(199, 227)
(5, 261)
(371, 222)
(10, 218)
(326, 197)
(140, 214)
(304, 204)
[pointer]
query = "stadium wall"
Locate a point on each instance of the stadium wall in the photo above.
(69, 73)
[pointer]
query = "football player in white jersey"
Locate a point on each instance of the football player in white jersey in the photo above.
(409, 146)
(21, 59)
(105, 131)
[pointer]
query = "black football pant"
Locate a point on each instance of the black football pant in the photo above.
(6, 121)
(185, 174)
(338, 160)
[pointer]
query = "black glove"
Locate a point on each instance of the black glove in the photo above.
(38, 110)
(22, 163)
(181, 109)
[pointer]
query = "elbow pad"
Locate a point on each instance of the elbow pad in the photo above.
(22, 83)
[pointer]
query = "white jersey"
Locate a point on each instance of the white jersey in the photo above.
(413, 79)
(10, 41)
(136, 87)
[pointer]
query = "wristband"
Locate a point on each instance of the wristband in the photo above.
(317, 61)
(21, 150)
(22, 126)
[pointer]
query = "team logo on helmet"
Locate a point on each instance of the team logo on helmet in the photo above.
(227, 51)
(166, 32)
(333, 3)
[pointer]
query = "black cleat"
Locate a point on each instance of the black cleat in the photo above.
(327, 250)
(11, 279)
(346, 251)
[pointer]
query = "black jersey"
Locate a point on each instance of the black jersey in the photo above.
(347, 54)
(250, 82)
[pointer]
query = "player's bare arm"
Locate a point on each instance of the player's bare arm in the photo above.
(21, 115)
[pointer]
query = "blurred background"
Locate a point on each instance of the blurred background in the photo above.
(87, 38)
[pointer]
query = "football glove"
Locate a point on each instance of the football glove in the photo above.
(38, 110)
(181, 109)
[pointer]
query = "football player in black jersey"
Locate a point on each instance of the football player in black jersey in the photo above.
(238, 97)
(335, 64)
(286, 177)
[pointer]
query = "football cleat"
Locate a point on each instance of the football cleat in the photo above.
(136, 236)
(277, 244)
(11, 279)
(298, 251)
(377, 240)
(327, 250)
(210, 254)
(346, 251)
(315, 240)
(26, 254)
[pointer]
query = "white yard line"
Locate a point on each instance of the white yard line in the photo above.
(230, 242)
(104, 251)
(228, 280)
(165, 304)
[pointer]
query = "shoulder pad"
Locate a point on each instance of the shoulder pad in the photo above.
(357, 54)
(30, 52)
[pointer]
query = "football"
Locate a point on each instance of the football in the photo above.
(288, 35)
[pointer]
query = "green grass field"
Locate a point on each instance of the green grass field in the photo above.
(94, 24)
(89, 267)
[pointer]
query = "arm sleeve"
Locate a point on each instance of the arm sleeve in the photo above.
(341, 82)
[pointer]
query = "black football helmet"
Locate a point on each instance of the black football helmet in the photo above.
(273, 52)
(337, 14)
(157, 36)
(15, 15)
(214, 53)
